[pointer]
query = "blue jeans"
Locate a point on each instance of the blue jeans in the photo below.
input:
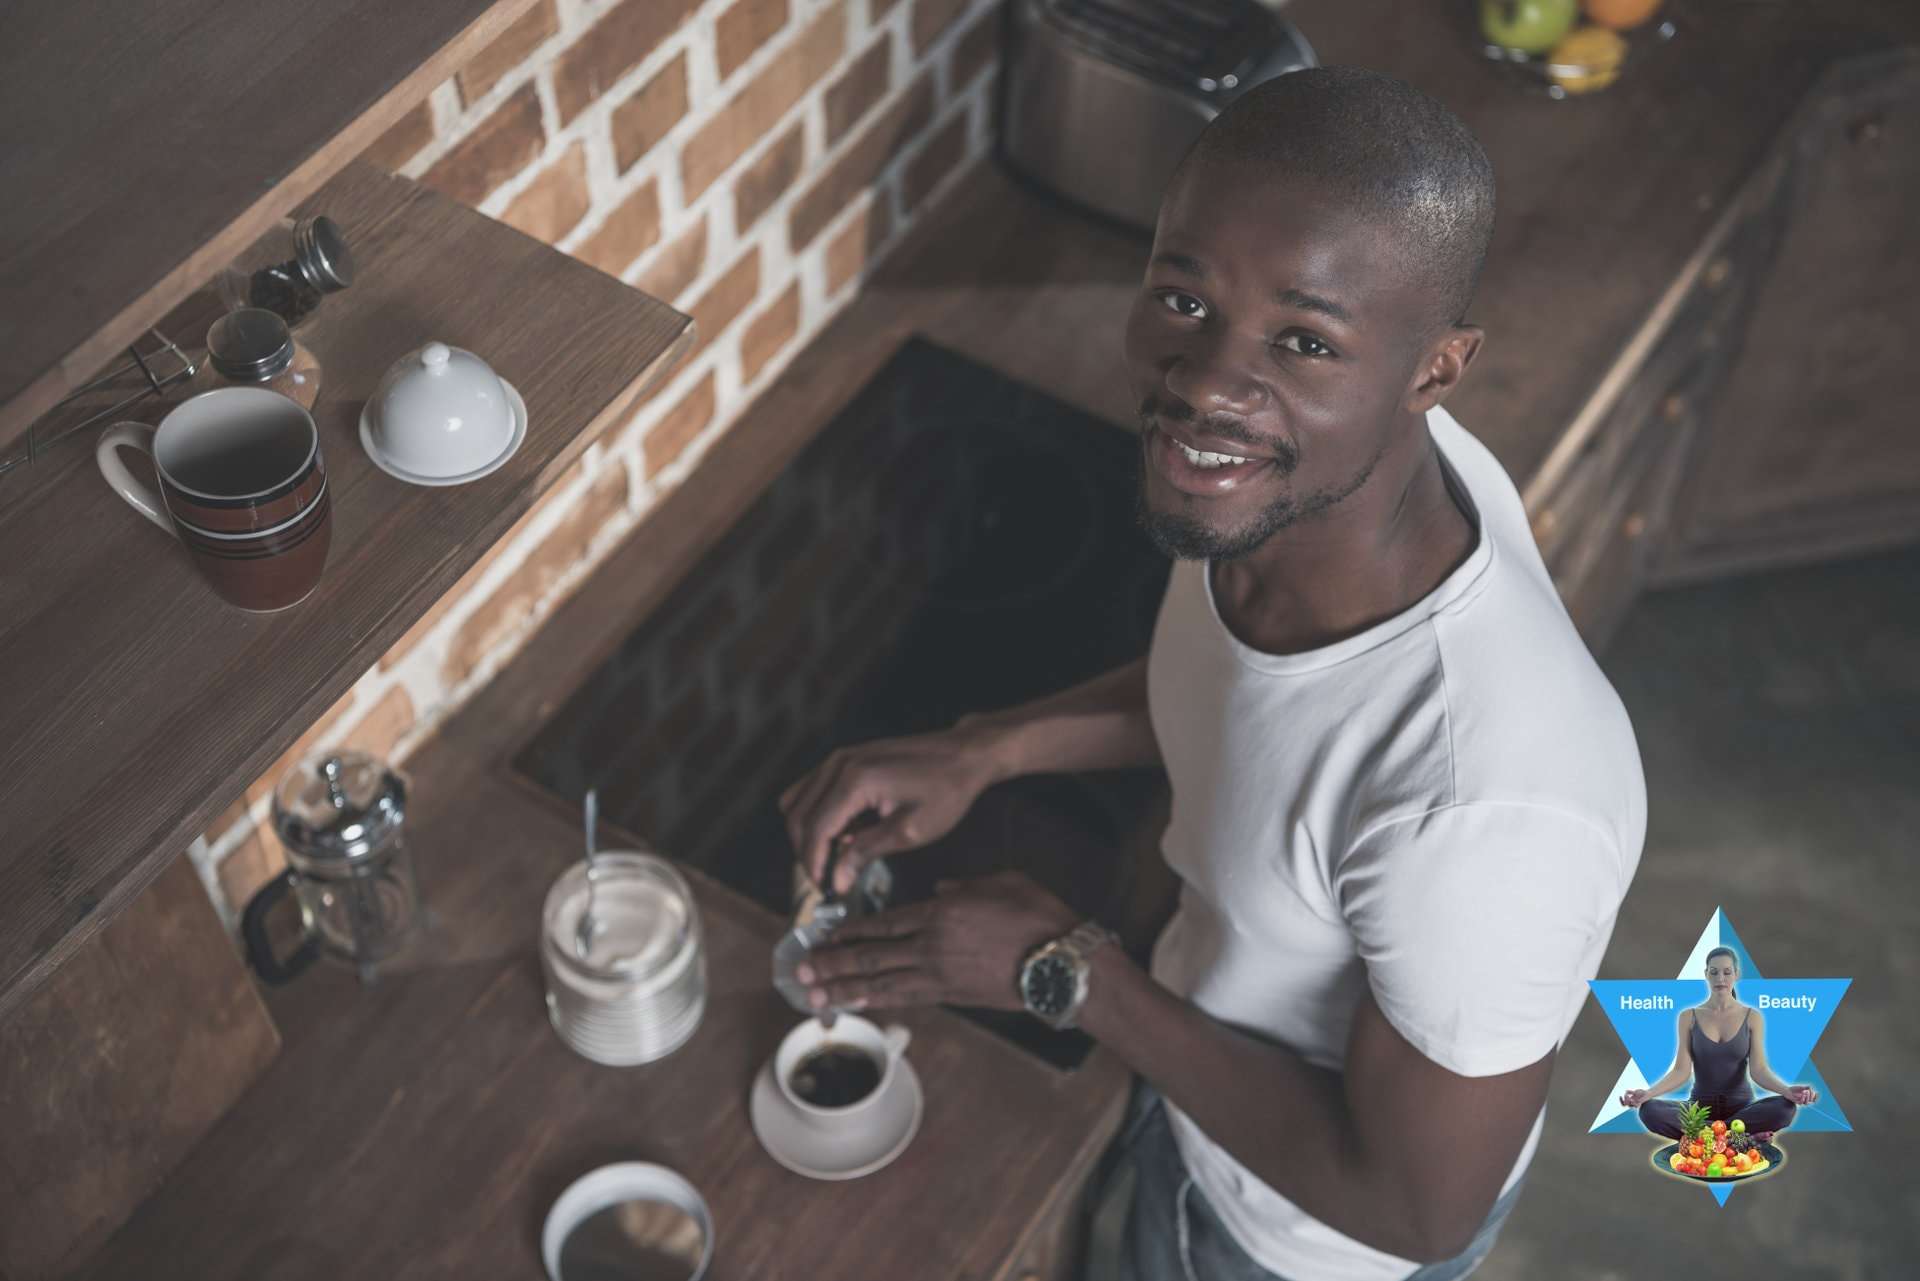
(1172, 1234)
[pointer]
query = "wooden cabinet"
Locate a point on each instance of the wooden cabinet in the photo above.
(1603, 501)
(111, 1072)
(1812, 448)
(1761, 414)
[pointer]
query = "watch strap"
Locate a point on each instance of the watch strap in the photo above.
(1080, 942)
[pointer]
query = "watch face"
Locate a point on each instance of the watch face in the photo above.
(1050, 987)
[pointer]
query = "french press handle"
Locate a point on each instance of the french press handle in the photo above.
(274, 970)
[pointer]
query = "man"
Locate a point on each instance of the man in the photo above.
(1406, 802)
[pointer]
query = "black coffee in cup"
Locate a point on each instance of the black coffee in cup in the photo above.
(835, 1076)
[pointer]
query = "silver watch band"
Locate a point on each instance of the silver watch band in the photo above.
(1080, 942)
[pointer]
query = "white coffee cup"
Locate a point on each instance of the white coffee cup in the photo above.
(884, 1046)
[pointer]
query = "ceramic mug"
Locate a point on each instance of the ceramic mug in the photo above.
(883, 1045)
(241, 485)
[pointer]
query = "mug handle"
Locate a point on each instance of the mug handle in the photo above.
(141, 498)
(253, 929)
(897, 1038)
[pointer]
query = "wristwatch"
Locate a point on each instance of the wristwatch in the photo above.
(1053, 978)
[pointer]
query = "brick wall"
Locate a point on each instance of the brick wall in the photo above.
(748, 162)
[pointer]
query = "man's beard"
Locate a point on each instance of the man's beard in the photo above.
(1184, 538)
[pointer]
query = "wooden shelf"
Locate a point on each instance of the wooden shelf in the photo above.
(137, 704)
(148, 144)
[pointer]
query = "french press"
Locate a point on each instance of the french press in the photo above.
(340, 816)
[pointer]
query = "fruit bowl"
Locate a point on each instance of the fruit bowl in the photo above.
(1774, 1154)
(1572, 48)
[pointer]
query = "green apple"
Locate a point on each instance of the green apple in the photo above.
(1737, 1126)
(1532, 26)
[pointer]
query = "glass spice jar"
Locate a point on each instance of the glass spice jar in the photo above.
(289, 270)
(252, 347)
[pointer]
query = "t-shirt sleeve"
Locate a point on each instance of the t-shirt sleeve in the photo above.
(1476, 923)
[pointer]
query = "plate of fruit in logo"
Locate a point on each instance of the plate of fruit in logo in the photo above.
(1712, 1151)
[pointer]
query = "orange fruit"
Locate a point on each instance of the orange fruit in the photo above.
(1588, 59)
(1621, 15)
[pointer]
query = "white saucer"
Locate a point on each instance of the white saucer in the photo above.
(398, 472)
(881, 1135)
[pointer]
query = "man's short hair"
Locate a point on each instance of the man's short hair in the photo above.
(1395, 153)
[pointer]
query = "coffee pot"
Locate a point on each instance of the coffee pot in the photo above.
(341, 817)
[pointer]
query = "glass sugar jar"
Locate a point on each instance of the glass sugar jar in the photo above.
(638, 990)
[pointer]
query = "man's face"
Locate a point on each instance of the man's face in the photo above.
(1273, 326)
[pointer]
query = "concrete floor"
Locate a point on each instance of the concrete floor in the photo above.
(1779, 721)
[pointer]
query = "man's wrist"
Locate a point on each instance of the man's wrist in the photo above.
(1110, 973)
(993, 744)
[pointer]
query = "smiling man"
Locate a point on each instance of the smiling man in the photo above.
(1406, 802)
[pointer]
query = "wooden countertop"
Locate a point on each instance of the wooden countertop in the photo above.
(423, 1126)
(138, 704)
(148, 144)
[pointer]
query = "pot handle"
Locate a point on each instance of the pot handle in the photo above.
(141, 498)
(272, 969)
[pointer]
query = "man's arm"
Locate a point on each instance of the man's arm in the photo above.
(1395, 1151)
(1099, 724)
(921, 785)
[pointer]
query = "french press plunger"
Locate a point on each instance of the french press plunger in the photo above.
(340, 815)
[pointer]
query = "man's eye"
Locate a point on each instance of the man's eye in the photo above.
(1305, 344)
(1171, 294)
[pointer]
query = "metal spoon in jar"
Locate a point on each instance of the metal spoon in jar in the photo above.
(585, 929)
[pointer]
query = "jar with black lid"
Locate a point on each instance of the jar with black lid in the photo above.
(289, 270)
(252, 347)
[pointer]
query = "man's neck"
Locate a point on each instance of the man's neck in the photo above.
(1362, 563)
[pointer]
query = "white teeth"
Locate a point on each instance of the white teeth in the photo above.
(1202, 458)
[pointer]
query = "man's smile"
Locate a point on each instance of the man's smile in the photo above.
(1200, 467)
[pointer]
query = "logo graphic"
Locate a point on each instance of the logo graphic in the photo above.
(1644, 1013)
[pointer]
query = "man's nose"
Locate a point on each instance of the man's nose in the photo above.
(1213, 378)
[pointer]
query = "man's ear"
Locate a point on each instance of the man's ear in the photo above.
(1445, 365)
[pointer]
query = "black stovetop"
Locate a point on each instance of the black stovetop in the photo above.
(952, 541)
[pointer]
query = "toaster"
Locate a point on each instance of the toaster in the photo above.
(1100, 99)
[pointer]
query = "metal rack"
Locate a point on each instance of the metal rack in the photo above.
(145, 373)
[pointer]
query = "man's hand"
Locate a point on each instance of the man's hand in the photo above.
(964, 946)
(920, 786)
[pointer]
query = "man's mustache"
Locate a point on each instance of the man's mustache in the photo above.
(1285, 456)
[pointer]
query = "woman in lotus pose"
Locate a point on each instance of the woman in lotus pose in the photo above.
(1718, 1040)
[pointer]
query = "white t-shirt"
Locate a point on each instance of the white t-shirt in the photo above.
(1446, 808)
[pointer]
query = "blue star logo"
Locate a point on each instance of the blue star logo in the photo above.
(1643, 1012)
